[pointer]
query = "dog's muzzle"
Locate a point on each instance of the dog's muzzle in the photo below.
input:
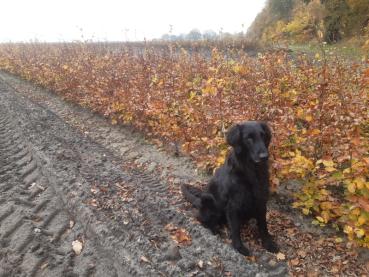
(262, 157)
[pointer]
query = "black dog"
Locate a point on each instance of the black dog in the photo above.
(239, 189)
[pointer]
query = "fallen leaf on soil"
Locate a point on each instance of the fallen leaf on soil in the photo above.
(32, 186)
(251, 258)
(93, 202)
(295, 262)
(144, 259)
(312, 274)
(77, 247)
(291, 231)
(179, 235)
(200, 264)
(301, 253)
(281, 256)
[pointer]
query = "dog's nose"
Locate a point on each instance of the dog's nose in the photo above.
(263, 155)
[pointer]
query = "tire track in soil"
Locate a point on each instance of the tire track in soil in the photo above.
(133, 207)
(32, 219)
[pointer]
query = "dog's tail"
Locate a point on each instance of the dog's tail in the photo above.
(192, 195)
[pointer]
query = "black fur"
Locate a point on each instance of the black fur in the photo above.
(239, 189)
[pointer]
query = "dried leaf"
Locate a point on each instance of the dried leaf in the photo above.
(280, 256)
(180, 235)
(295, 261)
(144, 259)
(200, 264)
(77, 247)
(301, 253)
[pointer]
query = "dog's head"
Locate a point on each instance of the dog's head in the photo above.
(251, 138)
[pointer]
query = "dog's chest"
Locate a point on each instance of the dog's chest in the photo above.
(248, 195)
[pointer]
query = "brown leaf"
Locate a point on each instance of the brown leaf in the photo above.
(144, 259)
(200, 264)
(295, 262)
(280, 256)
(180, 235)
(251, 258)
(335, 269)
(301, 253)
(312, 273)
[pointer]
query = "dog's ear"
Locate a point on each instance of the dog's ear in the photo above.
(268, 133)
(234, 135)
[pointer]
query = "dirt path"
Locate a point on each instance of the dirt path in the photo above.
(68, 175)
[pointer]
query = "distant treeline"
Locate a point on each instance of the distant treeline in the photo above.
(196, 35)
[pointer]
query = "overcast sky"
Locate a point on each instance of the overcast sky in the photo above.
(65, 20)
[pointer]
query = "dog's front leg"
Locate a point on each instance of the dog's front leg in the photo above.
(234, 224)
(266, 238)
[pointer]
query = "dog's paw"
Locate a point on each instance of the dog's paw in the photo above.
(271, 246)
(243, 250)
(215, 231)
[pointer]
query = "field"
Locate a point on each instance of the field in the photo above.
(188, 95)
